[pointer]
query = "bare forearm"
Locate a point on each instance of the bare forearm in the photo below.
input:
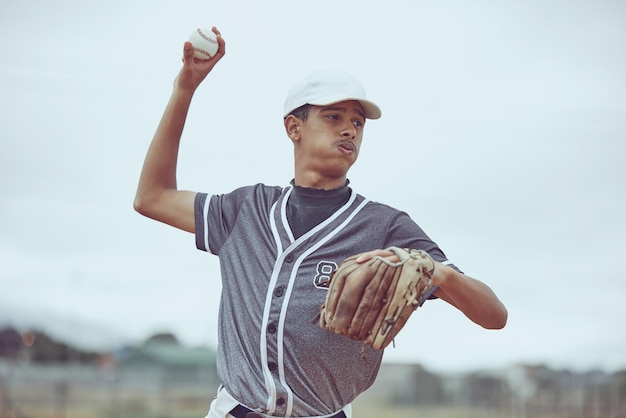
(159, 169)
(475, 299)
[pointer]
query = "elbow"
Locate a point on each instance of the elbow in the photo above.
(138, 204)
(498, 319)
(142, 205)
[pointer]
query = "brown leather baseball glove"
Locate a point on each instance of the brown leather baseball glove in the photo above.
(372, 301)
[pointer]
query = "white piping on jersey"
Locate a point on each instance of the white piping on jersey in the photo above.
(283, 215)
(205, 217)
(267, 375)
(269, 381)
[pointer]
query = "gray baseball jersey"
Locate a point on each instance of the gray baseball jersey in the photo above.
(271, 354)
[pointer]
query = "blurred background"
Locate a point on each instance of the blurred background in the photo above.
(162, 378)
(508, 118)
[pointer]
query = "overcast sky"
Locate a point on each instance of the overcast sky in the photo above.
(503, 135)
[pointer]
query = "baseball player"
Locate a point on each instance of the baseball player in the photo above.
(273, 359)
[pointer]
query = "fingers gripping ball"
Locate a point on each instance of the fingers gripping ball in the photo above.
(372, 301)
(204, 43)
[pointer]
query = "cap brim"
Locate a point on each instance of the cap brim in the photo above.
(372, 111)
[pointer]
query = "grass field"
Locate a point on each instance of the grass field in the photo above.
(372, 410)
(141, 408)
(359, 411)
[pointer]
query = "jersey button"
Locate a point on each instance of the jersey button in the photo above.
(280, 401)
(271, 328)
(279, 291)
(272, 366)
(289, 258)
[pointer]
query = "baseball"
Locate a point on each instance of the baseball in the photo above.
(204, 43)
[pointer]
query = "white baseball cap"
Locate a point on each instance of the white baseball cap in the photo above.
(326, 87)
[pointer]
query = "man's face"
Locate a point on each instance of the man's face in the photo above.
(331, 137)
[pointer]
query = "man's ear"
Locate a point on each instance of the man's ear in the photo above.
(292, 127)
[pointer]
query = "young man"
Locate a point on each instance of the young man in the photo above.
(272, 359)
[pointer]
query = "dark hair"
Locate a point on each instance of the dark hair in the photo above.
(301, 112)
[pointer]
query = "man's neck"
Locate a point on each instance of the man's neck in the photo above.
(315, 181)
